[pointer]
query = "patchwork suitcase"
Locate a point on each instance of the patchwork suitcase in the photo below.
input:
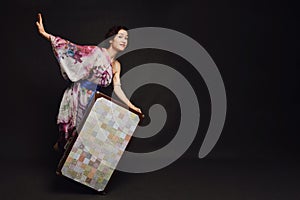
(93, 155)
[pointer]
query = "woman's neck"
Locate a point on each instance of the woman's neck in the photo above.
(112, 53)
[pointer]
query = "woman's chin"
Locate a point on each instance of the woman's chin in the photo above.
(122, 49)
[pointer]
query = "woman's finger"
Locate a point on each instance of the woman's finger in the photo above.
(40, 18)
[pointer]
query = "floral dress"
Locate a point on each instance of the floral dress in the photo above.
(86, 67)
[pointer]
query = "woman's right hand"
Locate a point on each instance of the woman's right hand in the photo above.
(41, 28)
(136, 108)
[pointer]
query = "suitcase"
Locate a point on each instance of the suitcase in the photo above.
(104, 133)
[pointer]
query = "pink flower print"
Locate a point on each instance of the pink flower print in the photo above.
(86, 50)
(104, 78)
(77, 57)
(60, 43)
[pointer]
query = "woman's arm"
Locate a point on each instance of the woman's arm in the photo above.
(117, 86)
(75, 60)
(41, 28)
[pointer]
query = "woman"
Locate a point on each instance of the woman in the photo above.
(86, 67)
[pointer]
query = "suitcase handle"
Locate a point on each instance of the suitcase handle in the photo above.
(99, 95)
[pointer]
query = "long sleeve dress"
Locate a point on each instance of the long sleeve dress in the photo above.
(87, 67)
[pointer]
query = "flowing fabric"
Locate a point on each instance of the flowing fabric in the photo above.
(86, 67)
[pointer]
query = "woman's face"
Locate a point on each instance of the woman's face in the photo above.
(120, 41)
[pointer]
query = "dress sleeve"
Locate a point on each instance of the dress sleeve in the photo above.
(75, 61)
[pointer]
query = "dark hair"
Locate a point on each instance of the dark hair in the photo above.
(114, 30)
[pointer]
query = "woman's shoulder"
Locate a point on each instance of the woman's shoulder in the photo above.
(117, 63)
(116, 66)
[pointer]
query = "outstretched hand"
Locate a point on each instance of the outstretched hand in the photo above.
(40, 26)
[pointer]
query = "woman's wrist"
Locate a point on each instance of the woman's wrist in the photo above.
(130, 105)
(49, 37)
(46, 35)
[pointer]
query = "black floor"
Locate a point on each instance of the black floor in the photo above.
(185, 179)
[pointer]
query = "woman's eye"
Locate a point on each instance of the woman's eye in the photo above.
(120, 36)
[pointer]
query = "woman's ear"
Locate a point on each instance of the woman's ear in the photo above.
(110, 41)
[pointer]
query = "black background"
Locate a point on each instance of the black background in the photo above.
(254, 44)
